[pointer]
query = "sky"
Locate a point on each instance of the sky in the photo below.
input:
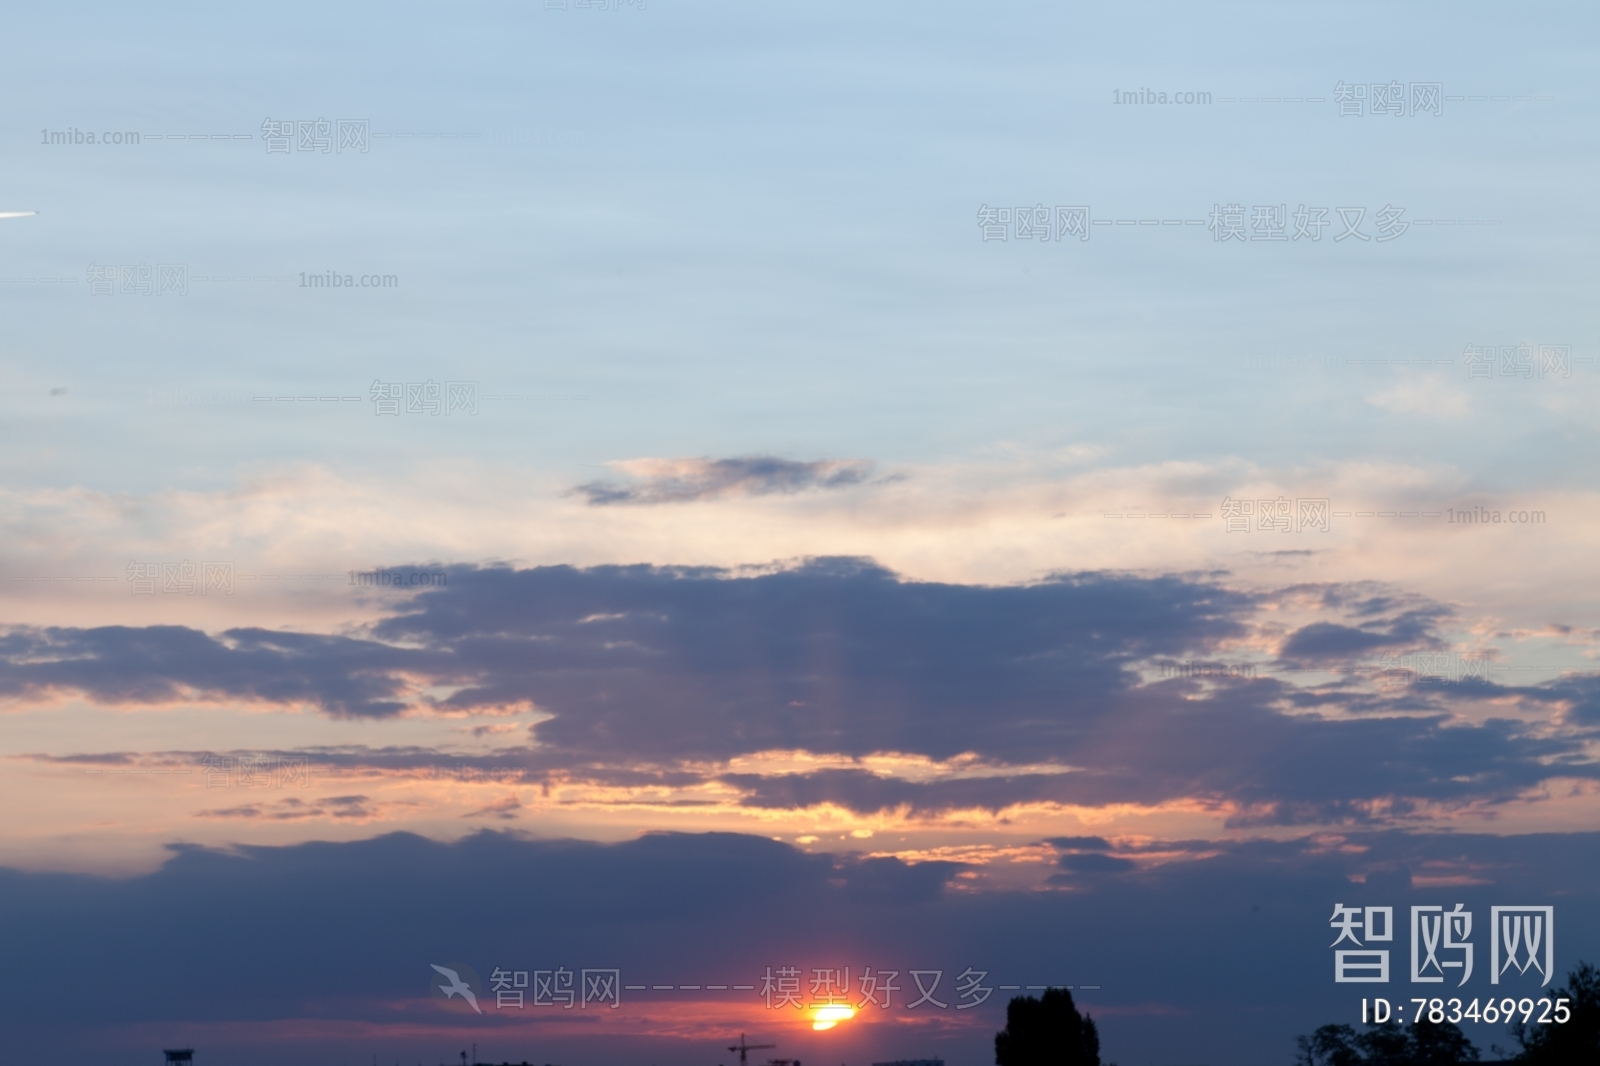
(716, 495)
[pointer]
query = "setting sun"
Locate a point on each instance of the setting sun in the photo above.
(828, 1017)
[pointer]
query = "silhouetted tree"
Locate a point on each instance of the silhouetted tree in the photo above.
(1575, 1041)
(1435, 1045)
(1332, 1045)
(1389, 1044)
(1047, 1031)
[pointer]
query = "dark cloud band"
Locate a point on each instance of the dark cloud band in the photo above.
(643, 672)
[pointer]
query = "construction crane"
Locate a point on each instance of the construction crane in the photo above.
(744, 1049)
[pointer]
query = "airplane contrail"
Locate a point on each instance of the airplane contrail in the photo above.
(17, 214)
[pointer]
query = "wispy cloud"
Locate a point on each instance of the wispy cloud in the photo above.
(291, 809)
(1427, 397)
(685, 480)
(505, 809)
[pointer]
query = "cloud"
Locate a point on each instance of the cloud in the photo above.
(686, 480)
(160, 664)
(1002, 518)
(1578, 695)
(339, 936)
(1329, 640)
(830, 656)
(660, 678)
(505, 810)
(1431, 397)
(358, 808)
(1080, 843)
(1274, 769)
(1095, 862)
